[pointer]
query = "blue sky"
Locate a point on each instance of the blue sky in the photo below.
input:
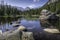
(26, 3)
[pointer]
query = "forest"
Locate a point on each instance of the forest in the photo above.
(10, 11)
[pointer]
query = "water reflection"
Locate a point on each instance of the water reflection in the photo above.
(31, 25)
(7, 19)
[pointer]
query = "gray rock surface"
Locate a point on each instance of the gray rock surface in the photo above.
(27, 36)
(16, 35)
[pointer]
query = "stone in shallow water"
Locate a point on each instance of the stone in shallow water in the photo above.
(0, 31)
(15, 25)
(49, 30)
(21, 28)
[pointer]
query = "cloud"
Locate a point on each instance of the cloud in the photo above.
(36, 0)
(32, 6)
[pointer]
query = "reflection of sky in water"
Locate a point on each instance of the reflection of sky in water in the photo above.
(31, 24)
(35, 24)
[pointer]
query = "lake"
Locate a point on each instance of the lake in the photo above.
(31, 25)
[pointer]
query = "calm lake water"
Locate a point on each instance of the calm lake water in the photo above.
(31, 25)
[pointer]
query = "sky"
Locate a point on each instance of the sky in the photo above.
(26, 3)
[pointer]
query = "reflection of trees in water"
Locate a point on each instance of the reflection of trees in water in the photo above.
(5, 22)
(7, 19)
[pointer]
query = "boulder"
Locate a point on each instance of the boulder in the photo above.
(0, 31)
(15, 25)
(45, 12)
(44, 16)
(10, 35)
(50, 30)
(21, 28)
(18, 34)
(27, 36)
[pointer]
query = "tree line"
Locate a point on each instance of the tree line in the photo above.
(8, 10)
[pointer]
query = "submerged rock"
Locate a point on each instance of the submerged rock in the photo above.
(15, 25)
(0, 31)
(11, 23)
(22, 28)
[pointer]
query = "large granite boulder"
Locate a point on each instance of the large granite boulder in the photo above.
(10, 35)
(44, 16)
(50, 30)
(22, 28)
(18, 34)
(48, 18)
(27, 36)
(45, 12)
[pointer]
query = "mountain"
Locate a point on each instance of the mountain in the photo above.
(20, 8)
(27, 8)
(23, 9)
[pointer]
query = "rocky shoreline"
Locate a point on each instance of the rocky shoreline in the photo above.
(21, 34)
